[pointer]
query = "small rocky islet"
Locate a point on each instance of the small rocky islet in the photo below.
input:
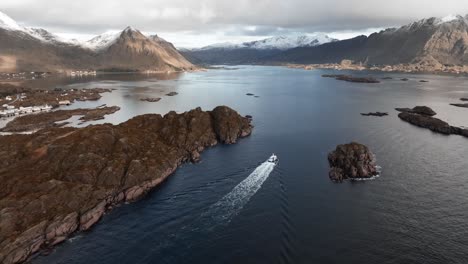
(352, 161)
(423, 116)
(349, 78)
(61, 180)
(379, 114)
(151, 99)
(461, 105)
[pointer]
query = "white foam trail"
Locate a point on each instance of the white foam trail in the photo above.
(232, 203)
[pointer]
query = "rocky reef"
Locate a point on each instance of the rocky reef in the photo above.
(351, 161)
(460, 105)
(61, 180)
(424, 118)
(420, 110)
(151, 99)
(380, 114)
(348, 78)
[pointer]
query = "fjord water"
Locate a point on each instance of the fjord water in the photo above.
(416, 212)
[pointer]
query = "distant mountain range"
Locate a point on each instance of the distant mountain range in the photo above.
(430, 43)
(433, 41)
(35, 49)
(254, 51)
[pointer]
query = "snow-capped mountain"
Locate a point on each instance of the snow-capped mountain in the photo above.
(7, 23)
(289, 42)
(102, 41)
(254, 51)
(279, 42)
(126, 50)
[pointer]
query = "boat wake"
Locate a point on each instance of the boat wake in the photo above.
(232, 203)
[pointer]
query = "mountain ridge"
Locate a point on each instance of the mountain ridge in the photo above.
(36, 49)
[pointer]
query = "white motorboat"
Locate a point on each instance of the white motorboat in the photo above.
(273, 159)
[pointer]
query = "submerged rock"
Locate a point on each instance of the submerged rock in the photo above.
(61, 180)
(351, 161)
(464, 99)
(172, 94)
(423, 81)
(421, 110)
(405, 79)
(249, 94)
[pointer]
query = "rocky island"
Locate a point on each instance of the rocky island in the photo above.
(351, 161)
(61, 180)
(420, 110)
(422, 116)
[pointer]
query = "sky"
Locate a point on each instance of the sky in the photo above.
(196, 23)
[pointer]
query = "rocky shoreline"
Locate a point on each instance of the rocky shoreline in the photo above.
(415, 67)
(58, 181)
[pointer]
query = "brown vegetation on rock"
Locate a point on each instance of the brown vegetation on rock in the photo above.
(43, 120)
(61, 180)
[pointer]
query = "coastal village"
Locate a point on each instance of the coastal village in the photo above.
(15, 101)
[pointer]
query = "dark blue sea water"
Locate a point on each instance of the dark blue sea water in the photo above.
(416, 212)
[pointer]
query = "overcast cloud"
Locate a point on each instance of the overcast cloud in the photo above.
(201, 22)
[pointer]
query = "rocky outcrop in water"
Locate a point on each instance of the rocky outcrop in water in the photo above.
(61, 180)
(380, 114)
(351, 161)
(348, 78)
(151, 99)
(460, 105)
(420, 110)
(432, 123)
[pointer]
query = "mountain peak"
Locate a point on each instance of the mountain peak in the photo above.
(130, 29)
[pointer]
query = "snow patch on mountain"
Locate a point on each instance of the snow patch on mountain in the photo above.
(9, 24)
(279, 42)
(449, 18)
(102, 41)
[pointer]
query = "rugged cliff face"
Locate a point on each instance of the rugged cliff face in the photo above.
(58, 181)
(133, 50)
